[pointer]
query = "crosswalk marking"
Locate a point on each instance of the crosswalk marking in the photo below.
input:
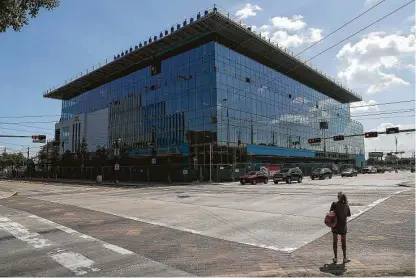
(20, 232)
(75, 262)
(107, 245)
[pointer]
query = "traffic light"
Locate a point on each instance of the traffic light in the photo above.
(338, 137)
(314, 140)
(392, 130)
(371, 134)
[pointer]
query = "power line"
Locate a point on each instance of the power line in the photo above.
(28, 116)
(24, 130)
(17, 123)
(362, 29)
(336, 30)
(383, 103)
(383, 113)
(388, 117)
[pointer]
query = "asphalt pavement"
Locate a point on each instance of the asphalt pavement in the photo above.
(205, 230)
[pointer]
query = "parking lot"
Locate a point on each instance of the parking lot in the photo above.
(280, 217)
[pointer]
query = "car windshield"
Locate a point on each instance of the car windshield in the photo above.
(251, 173)
(348, 170)
(284, 170)
(317, 170)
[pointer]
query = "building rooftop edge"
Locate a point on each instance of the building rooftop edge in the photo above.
(211, 21)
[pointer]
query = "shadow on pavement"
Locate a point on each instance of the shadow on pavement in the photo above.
(335, 269)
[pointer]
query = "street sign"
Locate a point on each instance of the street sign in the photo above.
(153, 160)
(116, 167)
(392, 130)
(375, 154)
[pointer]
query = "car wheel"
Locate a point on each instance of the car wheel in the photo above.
(253, 182)
(312, 178)
(299, 179)
(276, 182)
(330, 176)
(243, 182)
(288, 180)
(266, 181)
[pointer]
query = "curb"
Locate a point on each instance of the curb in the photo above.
(4, 195)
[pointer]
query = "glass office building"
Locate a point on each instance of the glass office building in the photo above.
(211, 102)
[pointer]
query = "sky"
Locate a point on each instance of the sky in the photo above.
(378, 62)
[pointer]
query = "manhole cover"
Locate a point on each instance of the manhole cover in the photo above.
(356, 204)
(183, 196)
(373, 238)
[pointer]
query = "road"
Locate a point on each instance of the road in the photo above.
(193, 230)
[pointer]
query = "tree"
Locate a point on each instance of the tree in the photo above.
(14, 13)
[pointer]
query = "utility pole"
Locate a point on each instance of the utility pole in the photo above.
(47, 157)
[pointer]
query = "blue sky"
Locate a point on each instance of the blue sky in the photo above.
(378, 63)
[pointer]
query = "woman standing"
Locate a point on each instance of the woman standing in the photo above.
(342, 210)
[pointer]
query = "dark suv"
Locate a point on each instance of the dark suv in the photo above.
(254, 177)
(321, 173)
(288, 175)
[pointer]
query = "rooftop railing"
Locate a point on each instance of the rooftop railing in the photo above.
(194, 19)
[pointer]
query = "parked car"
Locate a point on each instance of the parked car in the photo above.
(254, 177)
(288, 175)
(380, 169)
(369, 170)
(349, 172)
(321, 173)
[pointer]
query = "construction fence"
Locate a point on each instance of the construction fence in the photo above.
(172, 173)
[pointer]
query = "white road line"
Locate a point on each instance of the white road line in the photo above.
(20, 232)
(117, 249)
(65, 229)
(75, 262)
(373, 204)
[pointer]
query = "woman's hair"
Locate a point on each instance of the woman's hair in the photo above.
(342, 197)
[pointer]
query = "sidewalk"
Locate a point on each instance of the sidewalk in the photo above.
(380, 242)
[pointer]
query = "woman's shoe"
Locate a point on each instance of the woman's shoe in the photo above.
(334, 260)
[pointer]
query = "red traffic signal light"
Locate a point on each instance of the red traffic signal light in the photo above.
(338, 137)
(314, 140)
(371, 134)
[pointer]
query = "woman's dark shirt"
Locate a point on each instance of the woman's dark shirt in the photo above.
(343, 211)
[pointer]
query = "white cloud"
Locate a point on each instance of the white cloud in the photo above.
(369, 64)
(386, 143)
(248, 11)
(284, 23)
(286, 40)
(316, 34)
(370, 2)
(363, 106)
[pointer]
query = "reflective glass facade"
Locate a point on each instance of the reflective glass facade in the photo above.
(224, 97)
(266, 107)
